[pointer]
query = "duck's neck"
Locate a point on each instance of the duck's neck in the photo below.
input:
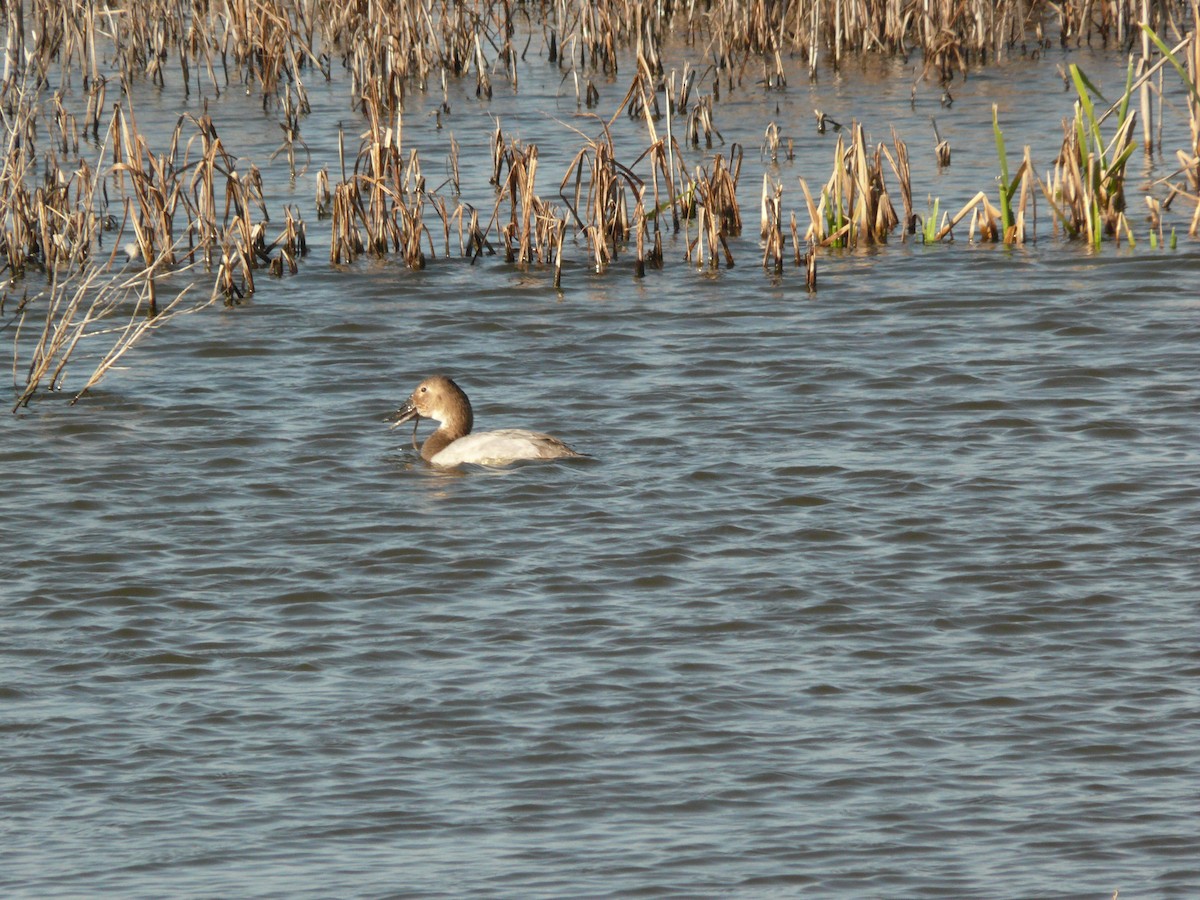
(450, 430)
(436, 443)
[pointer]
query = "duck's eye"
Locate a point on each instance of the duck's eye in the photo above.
(424, 390)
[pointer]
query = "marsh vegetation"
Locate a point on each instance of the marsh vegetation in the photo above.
(103, 223)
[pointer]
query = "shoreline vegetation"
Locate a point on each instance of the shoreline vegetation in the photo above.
(96, 219)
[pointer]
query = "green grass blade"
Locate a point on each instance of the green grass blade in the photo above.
(1123, 111)
(1166, 52)
(1088, 129)
(1006, 216)
(1083, 84)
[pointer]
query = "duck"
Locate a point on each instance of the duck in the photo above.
(453, 443)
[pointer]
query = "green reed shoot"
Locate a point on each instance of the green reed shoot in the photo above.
(1174, 61)
(1111, 171)
(1007, 188)
(929, 224)
(836, 223)
(1088, 196)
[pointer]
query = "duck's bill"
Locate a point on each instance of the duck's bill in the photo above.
(406, 413)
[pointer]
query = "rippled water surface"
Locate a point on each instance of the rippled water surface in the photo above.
(886, 591)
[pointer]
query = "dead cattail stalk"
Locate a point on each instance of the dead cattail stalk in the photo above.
(988, 216)
(560, 233)
(941, 147)
(900, 168)
(773, 227)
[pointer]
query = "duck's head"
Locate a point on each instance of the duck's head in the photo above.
(437, 398)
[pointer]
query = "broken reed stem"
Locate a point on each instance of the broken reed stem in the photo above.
(74, 303)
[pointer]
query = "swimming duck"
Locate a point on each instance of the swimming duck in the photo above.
(453, 444)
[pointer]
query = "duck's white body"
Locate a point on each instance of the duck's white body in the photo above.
(453, 444)
(498, 447)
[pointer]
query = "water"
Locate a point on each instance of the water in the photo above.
(888, 591)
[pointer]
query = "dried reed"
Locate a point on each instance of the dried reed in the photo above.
(855, 205)
(163, 199)
(1087, 189)
(600, 199)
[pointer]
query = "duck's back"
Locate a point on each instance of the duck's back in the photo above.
(506, 445)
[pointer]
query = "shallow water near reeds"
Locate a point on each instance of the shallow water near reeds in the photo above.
(890, 590)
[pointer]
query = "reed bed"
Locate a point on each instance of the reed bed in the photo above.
(948, 35)
(599, 199)
(102, 216)
(534, 230)
(389, 48)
